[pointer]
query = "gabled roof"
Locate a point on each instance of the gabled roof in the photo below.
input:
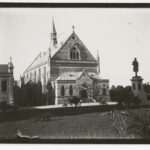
(4, 68)
(40, 59)
(76, 75)
(60, 52)
(83, 72)
(43, 56)
(69, 76)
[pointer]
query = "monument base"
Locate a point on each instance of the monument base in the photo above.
(137, 89)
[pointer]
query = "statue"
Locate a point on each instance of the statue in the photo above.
(135, 66)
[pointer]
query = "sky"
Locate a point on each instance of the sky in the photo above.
(119, 34)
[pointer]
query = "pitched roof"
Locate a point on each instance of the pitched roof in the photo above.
(69, 76)
(76, 75)
(40, 59)
(4, 68)
(60, 52)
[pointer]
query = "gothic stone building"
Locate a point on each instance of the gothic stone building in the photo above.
(6, 82)
(71, 68)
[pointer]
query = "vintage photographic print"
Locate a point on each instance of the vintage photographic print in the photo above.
(74, 74)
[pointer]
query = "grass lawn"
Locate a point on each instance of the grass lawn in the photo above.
(92, 125)
(83, 126)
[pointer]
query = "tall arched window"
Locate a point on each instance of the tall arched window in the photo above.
(74, 54)
(70, 90)
(39, 74)
(62, 90)
(30, 75)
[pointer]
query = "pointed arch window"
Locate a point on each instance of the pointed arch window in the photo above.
(62, 90)
(74, 54)
(70, 90)
(39, 74)
(30, 75)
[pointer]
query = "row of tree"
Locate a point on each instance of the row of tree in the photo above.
(30, 94)
(124, 96)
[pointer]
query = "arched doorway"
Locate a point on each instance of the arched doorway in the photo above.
(83, 94)
(83, 91)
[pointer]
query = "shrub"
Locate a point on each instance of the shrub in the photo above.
(74, 100)
(4, 106)
(51, 93)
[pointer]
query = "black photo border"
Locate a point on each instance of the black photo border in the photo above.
(73, 5)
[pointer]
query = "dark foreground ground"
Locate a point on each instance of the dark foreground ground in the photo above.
(83, 126)
(92, 125)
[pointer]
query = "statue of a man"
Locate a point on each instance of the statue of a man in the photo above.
(135, 66)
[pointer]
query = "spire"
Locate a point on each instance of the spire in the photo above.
(53, 34)
(53, 27)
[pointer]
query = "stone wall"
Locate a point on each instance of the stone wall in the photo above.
(8, 94)
(59, 99)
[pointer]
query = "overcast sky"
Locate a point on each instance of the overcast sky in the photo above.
(118, 34)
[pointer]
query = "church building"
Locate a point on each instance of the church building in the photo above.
(72, 69)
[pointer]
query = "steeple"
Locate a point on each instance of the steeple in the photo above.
(53, 34)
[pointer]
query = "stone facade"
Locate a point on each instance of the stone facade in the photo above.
(6, 83)
(69, 65)
(137, 89)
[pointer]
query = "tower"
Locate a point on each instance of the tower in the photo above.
(53, 35)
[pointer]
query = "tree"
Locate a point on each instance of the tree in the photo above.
(39, 100)
(31, 93)
(23, 96)
(17, 95)
(146, 87)
(124, 96)
(51, 93)
(28, 94)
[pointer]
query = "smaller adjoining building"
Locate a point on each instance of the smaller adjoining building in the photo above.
(6, 82)
(86, 85)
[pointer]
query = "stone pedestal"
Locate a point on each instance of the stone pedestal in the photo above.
(137, 88)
